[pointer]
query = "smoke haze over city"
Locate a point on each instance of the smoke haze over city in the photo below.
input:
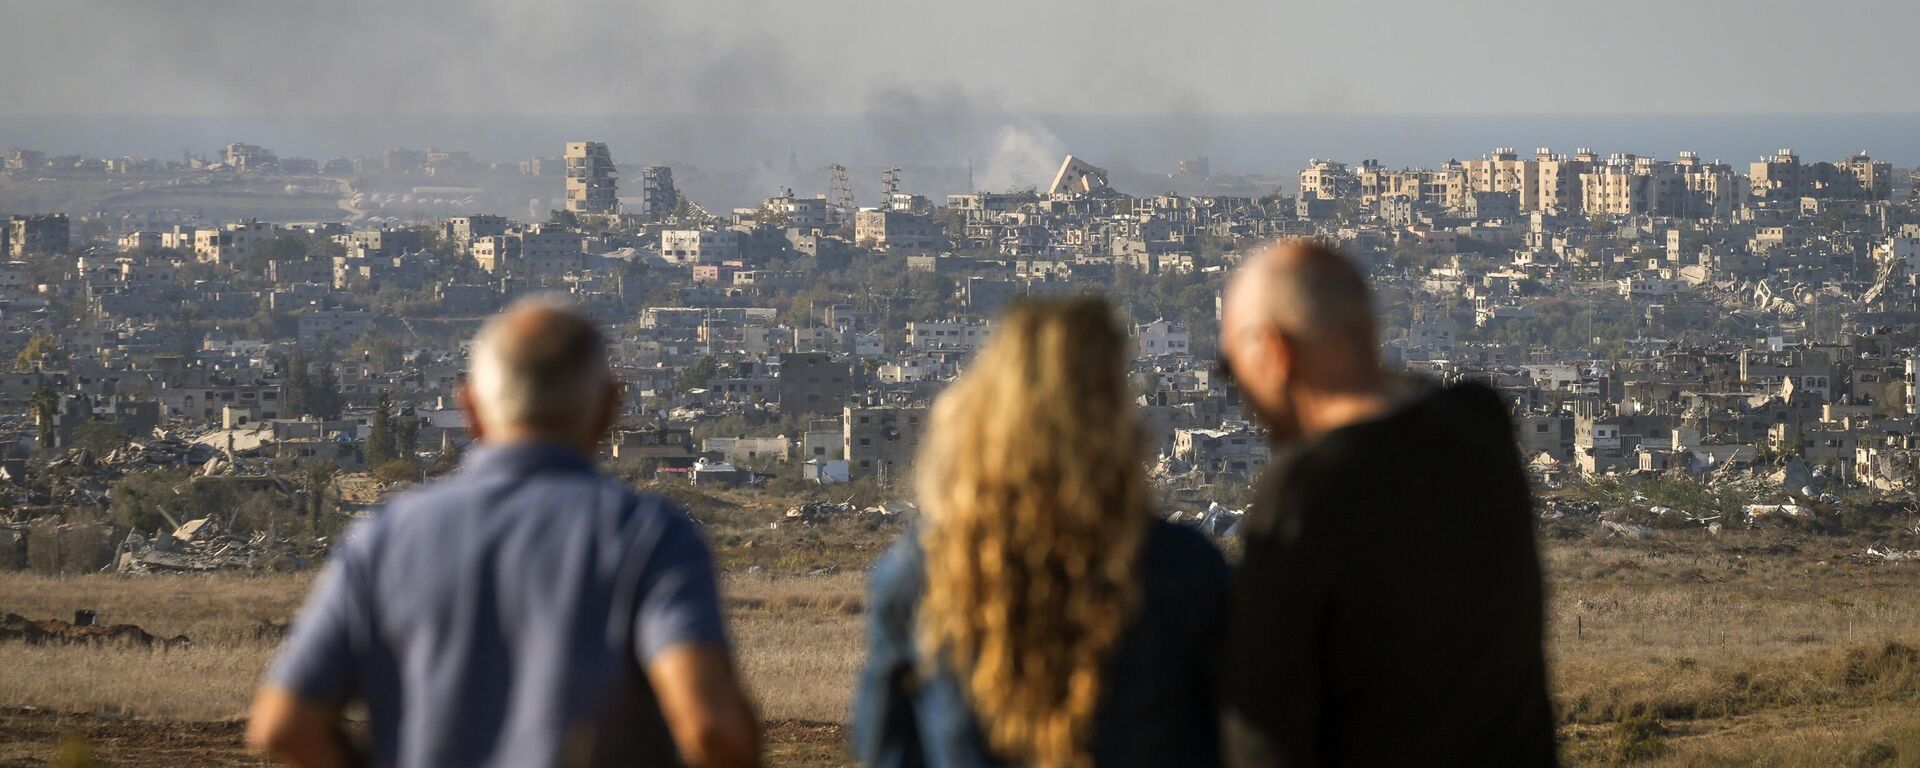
(1257, 87)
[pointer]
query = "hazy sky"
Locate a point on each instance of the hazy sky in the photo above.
(285, 57)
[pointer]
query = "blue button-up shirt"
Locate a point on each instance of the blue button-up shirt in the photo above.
(484, 618)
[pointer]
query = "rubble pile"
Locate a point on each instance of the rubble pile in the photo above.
(1657, 517)
(1890, 555)
(20, 629)
(813, 512)
(164, 451)
(1762, 513)
(892, 510)
(200, 545)
(1568, 509)
(1626, 530)
(1217, 521)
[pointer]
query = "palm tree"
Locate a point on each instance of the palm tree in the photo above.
(45, 403)
(318, 475)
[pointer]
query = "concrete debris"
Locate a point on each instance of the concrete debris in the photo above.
(200, 545)
(165, 451)
(816, 511)
(893, 510)
(191, 529)
(1216, 521)
(1893, 555)
(813, 512)
(1760, 512)
(1563, 509)
(1628, 530)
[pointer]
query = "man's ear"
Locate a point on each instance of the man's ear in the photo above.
(463, 395)
(1284, 355)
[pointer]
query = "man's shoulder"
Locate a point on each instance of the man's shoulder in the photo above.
(456, 498)
(1458, 413)
(898, 576)
(433, 494)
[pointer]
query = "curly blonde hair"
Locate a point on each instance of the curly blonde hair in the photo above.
(1033, 481)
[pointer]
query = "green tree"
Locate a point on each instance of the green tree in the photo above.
(41, 345)
(188, 332)
(385, 353)
(406, 434)
(396, 472)
(299, 384)
(380, 442)
(46, 404)
(697, 375)
(139, 499)
(324, 399)
(317, 477)
(283, 248)
(101, 435)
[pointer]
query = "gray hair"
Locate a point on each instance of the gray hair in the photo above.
(540, 364)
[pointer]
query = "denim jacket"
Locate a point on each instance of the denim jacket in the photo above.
(1158, 705)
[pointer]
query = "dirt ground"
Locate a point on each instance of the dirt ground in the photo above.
(1686, 650)
(38, 737)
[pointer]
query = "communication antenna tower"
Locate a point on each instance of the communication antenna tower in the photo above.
(841, 190)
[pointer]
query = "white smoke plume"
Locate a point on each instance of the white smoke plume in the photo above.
(1021, 156)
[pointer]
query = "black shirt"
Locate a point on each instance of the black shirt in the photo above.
(1389, 611)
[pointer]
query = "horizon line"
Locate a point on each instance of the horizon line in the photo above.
(995, 113)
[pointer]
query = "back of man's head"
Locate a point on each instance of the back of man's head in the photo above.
(1314, 293)
(539, 367)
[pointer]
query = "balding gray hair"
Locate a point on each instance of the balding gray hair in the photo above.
(542, 365)
(1314, 292)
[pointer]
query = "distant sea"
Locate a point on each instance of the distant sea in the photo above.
(1233, 143)
(735, 159)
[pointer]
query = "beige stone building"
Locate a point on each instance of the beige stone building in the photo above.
(1705, 190)
(1778, 177)
(533, 252)
(1688, 187)
(590, 184)
(1874, 178)
(1624, 185)
(1327, 180)
(232, 243)
(897, 231)
(1559, 179)
(1504, 171)
(1422, 185)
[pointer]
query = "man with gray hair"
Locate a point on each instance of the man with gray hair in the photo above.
(1388, 610)
(525, 611)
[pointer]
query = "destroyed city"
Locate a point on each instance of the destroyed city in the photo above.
(297, 409)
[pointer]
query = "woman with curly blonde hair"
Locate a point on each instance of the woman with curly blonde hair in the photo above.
(1039, 615)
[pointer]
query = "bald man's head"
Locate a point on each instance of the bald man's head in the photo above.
(1298, 330)
(1307, 289)
(539, 367)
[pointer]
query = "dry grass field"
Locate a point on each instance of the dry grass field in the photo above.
(1705, 651)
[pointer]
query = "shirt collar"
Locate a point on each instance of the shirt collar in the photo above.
(523, 457)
